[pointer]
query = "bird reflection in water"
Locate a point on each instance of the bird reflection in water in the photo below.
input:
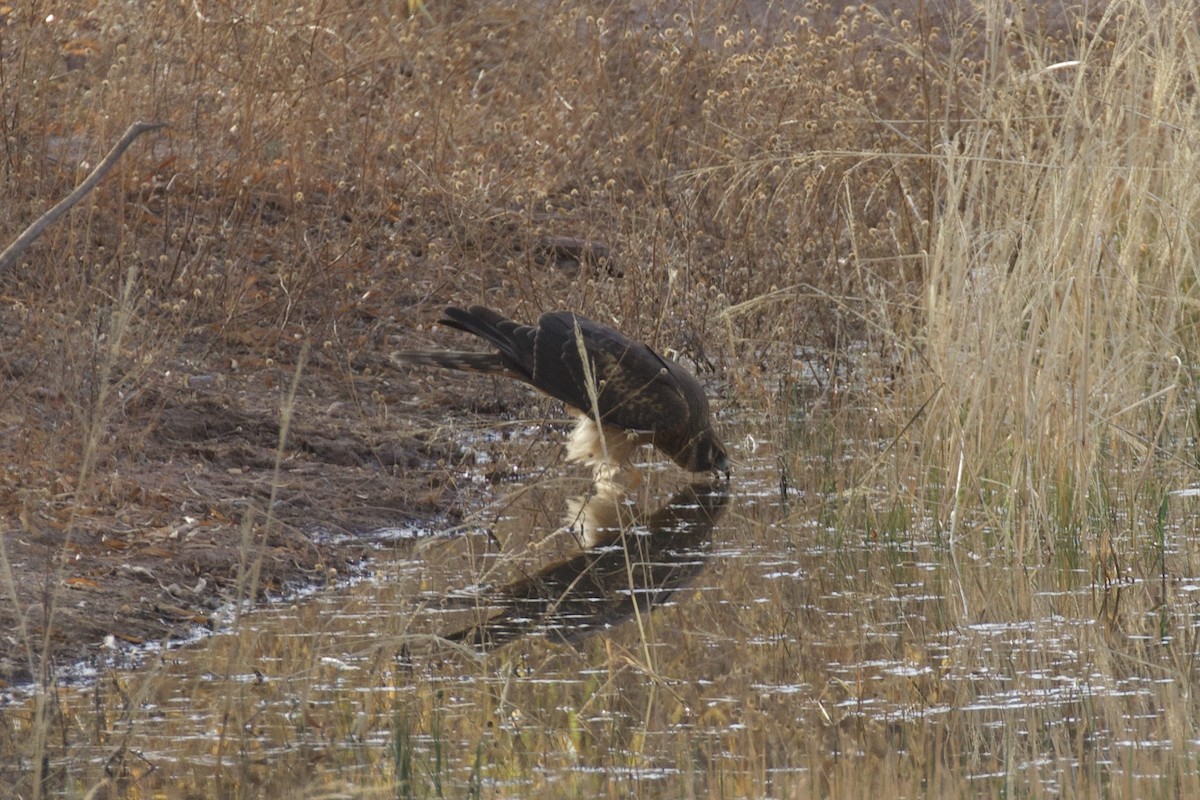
(633, 560)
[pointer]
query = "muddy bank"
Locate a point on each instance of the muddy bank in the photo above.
(186, 509)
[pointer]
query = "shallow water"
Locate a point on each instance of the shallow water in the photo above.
(727, 641)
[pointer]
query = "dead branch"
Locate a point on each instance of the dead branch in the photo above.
(14, 250)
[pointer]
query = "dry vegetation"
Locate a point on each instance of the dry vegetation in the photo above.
(975, 230)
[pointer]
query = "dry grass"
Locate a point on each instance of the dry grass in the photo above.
(1058, 308)
(974, 233)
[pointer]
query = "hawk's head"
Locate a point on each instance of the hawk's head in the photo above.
(705, 453)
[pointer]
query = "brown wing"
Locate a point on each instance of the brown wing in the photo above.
(572, 358)
(636, 388)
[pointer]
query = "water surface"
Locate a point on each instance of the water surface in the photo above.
(732, 640)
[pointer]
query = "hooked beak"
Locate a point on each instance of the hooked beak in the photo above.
(721, 467)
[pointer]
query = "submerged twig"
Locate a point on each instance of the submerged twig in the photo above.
(14, 250)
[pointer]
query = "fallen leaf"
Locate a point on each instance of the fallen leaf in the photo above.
(82, 583)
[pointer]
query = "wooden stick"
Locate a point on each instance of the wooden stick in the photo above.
(14, 250)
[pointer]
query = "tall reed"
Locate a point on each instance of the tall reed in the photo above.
(1059, 290)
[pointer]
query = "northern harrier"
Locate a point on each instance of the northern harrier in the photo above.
(638, 396)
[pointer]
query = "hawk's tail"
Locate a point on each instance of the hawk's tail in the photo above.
(479, 320)
(486, 363)
(514, 340)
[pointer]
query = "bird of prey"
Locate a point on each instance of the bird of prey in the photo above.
(623, 393)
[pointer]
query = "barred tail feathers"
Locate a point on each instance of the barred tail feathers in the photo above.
(484, 363)
(478, 320)
(514, 340)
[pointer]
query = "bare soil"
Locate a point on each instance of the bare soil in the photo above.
(201, 506)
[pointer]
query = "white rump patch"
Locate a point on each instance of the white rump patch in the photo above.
(599, 516)
(603, 448)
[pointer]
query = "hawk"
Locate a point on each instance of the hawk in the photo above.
(623, 393)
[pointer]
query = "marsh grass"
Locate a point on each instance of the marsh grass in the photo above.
(942, 269)
(1058, 309)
